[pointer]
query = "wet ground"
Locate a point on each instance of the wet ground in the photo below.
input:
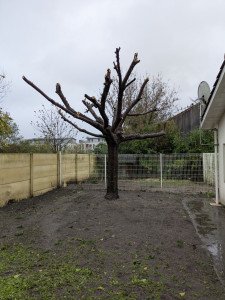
(142, 246)
(209, 223)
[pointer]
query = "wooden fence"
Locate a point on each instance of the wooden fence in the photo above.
(27, 175)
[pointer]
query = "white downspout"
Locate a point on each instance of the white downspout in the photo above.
(216, 164)
(60, 169)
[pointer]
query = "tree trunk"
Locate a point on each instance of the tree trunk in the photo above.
(112, 172)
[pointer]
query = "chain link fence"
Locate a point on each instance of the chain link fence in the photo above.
(185, 173)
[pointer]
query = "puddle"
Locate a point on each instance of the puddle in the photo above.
(209, 223)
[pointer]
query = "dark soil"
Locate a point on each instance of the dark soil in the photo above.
(141, 246)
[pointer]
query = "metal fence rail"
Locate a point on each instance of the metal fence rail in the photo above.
(171, 172)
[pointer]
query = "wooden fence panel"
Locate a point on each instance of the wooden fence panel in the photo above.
(68, 167)
(14, 177)
(45, 173)
(27, 175)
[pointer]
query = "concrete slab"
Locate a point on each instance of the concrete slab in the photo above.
(209, 222)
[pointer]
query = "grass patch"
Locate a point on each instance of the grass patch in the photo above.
(19, 233)
(27, 273)
(180, 243)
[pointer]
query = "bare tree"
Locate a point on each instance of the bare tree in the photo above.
(57, 133)
(111, 128)
(4, 85)
(156, 106)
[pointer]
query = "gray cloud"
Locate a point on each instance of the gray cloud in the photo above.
(73, 42)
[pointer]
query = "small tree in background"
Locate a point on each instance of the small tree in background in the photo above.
(157, 104)
(190, 143)
(4, 86)
(57, 133)
(101, 148)
(162, 144)
(11, 137)
(110, 126)
(8, 128)
(5, 129)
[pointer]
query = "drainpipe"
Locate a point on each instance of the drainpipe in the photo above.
(60, 169)
(216, 163)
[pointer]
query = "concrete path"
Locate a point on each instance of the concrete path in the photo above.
(209, 222)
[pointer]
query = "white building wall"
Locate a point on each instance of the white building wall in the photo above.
(221, 140)
(209, 168)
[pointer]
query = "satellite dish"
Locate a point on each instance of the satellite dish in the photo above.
(203, 92)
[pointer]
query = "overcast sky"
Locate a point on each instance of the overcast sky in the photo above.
(73, 42)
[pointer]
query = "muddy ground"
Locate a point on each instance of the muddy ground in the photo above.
(142, 246)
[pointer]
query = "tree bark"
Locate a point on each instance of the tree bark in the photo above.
(112, 171)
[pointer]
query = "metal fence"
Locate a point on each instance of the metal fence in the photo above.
(184, 173)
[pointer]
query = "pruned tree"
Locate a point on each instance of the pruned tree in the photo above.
(57, 133)
(111, 128)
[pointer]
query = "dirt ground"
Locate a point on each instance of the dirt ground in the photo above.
(73, 244)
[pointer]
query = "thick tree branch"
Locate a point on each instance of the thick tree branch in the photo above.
(101, 111)
(91, 110)
(122, 86)
(141, 136)
(72, 112)
(94, 101)
(63, 98)
(78, 128)
(107, 84)
(133, 64)
(117, 65)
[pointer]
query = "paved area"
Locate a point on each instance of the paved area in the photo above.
(209, 222)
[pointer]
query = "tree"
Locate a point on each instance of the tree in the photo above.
(57, 133)
(5, 129)
(157, 94)
(162, 144)
(4, 86)
(101, 148)
(192, 143)
(5, 119)
(111, 128)
(11, 136)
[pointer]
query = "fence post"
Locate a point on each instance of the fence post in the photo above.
(31, 175)
(105, 172)
(89, 166)
(76, 168)
(161, 169)
(59, 163)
